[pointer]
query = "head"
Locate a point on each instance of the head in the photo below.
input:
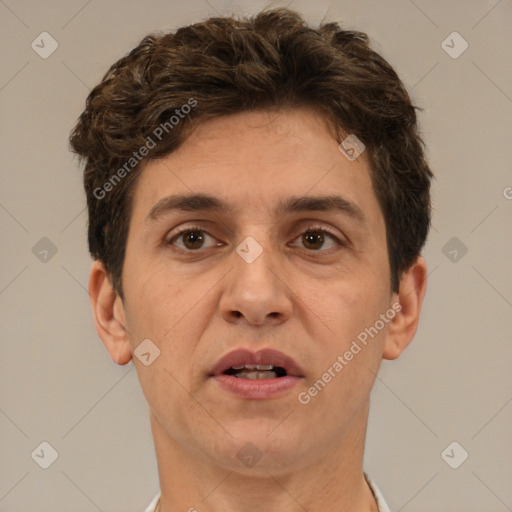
(251, 113)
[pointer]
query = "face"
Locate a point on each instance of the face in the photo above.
(253, 294)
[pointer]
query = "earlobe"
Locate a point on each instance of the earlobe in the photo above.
(108, 314)
(402, 328)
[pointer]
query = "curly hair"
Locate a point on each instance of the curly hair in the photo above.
(226, 65)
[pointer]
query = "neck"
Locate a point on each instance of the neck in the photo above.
(332, 483)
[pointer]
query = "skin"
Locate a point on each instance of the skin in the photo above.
(307, 299)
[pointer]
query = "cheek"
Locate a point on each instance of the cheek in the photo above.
(163, 313)
(171, 311)
(350, 355)
(155, 302)
(351, 304)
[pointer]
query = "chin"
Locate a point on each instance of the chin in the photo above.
(258, 448)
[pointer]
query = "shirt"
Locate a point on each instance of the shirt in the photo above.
(378, 498)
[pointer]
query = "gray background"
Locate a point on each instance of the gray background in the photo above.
(58, 382)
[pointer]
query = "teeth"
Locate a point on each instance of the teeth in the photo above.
(253, 375)
(259, 367)
(264, 367)
(254, 371)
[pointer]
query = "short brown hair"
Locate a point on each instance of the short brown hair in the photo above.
(226, 65)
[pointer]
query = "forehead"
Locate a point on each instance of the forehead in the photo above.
(256, 162)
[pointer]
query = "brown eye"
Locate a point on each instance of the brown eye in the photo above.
(316, 240)
(192, 239)
(313, 239)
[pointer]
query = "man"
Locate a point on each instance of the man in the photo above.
(258, 199)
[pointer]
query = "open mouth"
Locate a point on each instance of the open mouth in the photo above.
(261, 375)
(256, 371)
(264, 364)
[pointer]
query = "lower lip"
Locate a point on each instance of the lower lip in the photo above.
(257, 389)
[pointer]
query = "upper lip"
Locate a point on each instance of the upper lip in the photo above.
(261, 357)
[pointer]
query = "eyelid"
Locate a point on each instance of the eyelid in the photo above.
(315, 227)
(186, 229)
(322, 228)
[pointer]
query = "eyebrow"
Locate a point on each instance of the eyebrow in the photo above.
(294, 204)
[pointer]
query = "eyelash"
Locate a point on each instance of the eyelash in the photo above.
(311, 229)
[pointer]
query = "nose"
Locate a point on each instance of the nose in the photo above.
(256, 292)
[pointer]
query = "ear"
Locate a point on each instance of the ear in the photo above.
(413, 285)
(108, 312)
